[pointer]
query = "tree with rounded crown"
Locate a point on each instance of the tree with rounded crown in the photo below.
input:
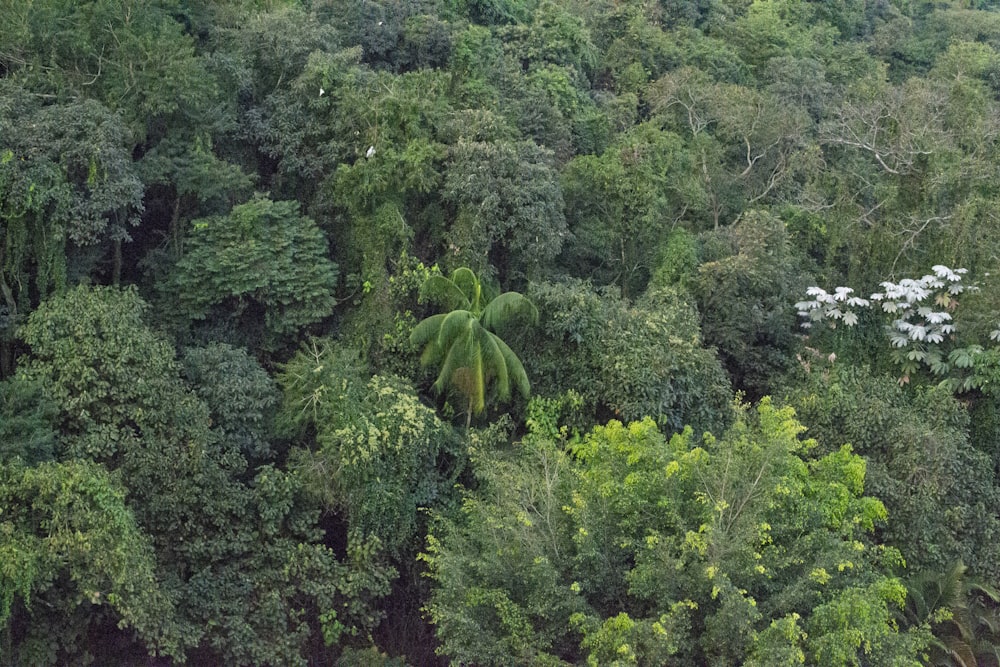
(463, 342)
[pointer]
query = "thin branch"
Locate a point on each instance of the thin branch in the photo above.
(908, 243)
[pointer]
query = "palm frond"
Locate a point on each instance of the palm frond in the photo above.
(985, 590)
(445, 293)
(457, 356)
(468, 284)
(515, 369)
(495, 364)
(951, 586)
(960, 652)
(426, 330)
(463, 370)
(916, 610)
(988, 654)
(431, 356)
(507, 309)
(488, 290)
(455, 324)
(930, 591)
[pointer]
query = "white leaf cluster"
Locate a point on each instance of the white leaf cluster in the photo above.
(915, 321)
(826, 306)
(919, 306)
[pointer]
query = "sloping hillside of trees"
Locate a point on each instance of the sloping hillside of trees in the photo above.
(500, 332)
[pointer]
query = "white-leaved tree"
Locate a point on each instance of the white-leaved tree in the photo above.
(920, 321)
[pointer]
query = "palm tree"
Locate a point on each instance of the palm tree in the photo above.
(464, 343)
(963, 614)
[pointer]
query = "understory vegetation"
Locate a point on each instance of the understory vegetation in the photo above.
(500, 332)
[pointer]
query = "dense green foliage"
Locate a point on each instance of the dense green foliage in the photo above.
(379, 453)
(67, 523)
(560, 555)
(627, 360)
(921, 464)
(261, 258)
(295, 291)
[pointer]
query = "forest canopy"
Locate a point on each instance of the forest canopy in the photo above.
(499, 332)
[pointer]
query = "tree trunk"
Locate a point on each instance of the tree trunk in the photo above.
(6, 344)
(6, 645)
(116, 270)
(175, 232)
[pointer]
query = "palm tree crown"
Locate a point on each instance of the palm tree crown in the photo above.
(464, 343)
(964, 615)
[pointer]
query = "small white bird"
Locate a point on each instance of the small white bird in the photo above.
(321, 91)
(370, 152)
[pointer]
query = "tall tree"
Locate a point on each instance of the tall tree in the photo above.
(920, 463)
(509, 208)
(68, 195)
(627, 360)
(748, 277)
(131, 55)
(623, 203)
(378, 454)
(632, 549)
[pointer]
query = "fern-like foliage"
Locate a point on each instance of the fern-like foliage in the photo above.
(964, 615)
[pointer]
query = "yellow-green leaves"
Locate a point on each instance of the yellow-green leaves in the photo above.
(68, 521)
(631, 549)
(379, 453)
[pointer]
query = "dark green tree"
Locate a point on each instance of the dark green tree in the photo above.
(920, 462)
(621, 206)
(69, 193)
(132, 56)
(241, 397)
(264, 262)
(748, 277)
(27, 423)
(509, 209)
(627, 360)
(237, 548)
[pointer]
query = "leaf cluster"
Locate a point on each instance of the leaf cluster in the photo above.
(262, 254)
(558, 557)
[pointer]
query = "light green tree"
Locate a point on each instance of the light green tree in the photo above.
(624, 547)
(379, 453)
(71, 549)
(464, 344)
